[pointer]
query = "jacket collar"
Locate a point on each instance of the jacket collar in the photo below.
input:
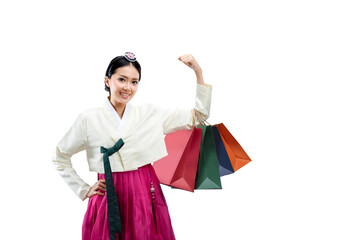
(115, 119)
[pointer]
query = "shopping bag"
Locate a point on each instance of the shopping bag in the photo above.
(236, 153)
(208, 175)
(225, 166)
(178, 168)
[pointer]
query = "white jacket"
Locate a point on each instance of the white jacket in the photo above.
(142, 129)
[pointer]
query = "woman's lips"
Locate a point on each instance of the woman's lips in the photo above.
(125, 95)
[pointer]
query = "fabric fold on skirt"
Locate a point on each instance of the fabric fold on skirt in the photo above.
(136, 210)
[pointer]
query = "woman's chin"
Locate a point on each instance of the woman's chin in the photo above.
(123, 100)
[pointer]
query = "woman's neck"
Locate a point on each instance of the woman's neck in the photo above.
(119, 107)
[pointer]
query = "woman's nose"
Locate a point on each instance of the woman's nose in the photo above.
(126, 86)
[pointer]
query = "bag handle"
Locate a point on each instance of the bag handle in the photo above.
(193, 118)
(200, 118)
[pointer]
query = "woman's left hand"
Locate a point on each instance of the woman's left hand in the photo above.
(190, 61)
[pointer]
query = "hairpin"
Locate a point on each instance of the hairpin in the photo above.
(130, 56)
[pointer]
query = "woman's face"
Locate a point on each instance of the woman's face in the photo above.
(123, 84)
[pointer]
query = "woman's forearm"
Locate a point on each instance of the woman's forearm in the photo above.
(199, 77)
(190, 61)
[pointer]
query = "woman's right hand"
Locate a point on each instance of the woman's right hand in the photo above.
(94, 190)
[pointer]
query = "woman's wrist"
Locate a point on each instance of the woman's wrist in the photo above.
(199, 76)
(86, 197)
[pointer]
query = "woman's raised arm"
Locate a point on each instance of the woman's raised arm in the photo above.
(190, 61)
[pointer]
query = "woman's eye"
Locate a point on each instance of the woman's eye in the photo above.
(122, 79)
(135, 82)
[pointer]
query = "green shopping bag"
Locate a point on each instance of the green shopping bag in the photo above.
(208, 175)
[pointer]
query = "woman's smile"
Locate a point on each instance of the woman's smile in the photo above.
(125, 95)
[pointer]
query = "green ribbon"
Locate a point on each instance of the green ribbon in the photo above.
(113, 208)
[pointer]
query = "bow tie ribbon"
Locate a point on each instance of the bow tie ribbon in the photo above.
(113, 208)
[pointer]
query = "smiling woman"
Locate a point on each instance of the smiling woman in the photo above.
(121, 80)
(127, 203)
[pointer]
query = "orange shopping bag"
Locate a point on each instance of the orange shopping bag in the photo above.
(237, 155)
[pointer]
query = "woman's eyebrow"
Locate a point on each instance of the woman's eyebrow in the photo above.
(127, 76)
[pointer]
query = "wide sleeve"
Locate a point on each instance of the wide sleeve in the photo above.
(179, 119)
(73, 142)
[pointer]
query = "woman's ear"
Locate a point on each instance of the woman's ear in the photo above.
(107, 81)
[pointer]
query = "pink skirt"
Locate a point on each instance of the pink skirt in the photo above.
(139, 221)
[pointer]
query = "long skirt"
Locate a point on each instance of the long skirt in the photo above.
(139, 220)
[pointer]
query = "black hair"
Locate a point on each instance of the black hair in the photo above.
(120, 61)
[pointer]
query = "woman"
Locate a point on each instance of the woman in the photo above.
(140, 201)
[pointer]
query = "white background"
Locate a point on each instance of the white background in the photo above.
(284, 76)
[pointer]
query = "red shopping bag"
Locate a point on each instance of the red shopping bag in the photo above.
(178, 168)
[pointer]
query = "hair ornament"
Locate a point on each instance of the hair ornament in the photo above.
(130, 56)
